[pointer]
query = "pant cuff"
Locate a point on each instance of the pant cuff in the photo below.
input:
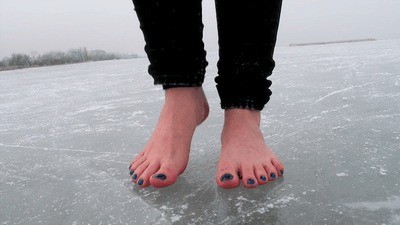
(244, 93)
(242, 104)
(169, 81)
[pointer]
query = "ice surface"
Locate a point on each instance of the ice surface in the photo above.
(391, 203)
(67, 134)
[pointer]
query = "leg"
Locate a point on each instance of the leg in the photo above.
(247, 36)
(173, 33)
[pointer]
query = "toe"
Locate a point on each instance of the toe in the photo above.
(271, 171)
(261, 174)
(249, 179)
(278, 166)
(140, 155)
(227, 176)
(144, 178)
(165, 176)
(131, 168)
(139, 170)
(137, 163)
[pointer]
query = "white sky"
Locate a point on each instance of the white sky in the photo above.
(28, 26)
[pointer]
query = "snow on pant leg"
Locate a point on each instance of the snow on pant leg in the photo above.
(247, 35)
(173, 32)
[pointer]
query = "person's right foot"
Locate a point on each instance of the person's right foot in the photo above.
(166, 154)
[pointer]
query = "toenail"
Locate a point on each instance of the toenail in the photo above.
(273, 175)
(131, 172)
(140, 181)
(281, 172)
(239, 175)
(134, 176)
(251, 181)
(160, 176)
(263, 178)
(226, 177)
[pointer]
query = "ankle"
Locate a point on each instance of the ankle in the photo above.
(181, 92)
(188, 100)
(242, 117)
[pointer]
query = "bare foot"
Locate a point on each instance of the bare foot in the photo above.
(166, 154)
(244, 155)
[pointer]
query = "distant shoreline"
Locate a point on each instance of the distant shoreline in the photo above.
(332, 42)
(72, 56)
(4, 69)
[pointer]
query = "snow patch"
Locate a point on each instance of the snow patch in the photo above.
(175, 218)
(383, 171)
(285, 200)
(342, 174)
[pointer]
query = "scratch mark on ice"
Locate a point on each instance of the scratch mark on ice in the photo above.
(342, 90)
(63, 149)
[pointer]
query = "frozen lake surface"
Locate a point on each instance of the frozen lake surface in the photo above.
(68, 133)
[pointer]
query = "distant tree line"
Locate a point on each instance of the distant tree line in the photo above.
(19, 61)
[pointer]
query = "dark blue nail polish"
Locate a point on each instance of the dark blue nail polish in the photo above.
(160, 176)
(273, 175)
(239, 175)
(281, 172)
(226, 176)
(130, 166)
(131, 172)
(251, 181)
(134, 176)
(140, 182)
(263, 178)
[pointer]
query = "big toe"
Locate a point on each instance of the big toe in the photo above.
(227, 176)
(165, 176)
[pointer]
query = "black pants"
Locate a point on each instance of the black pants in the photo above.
(247, 29)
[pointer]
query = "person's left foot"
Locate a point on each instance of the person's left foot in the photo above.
(244, 155)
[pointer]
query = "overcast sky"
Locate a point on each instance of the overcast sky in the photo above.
(28, 26)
